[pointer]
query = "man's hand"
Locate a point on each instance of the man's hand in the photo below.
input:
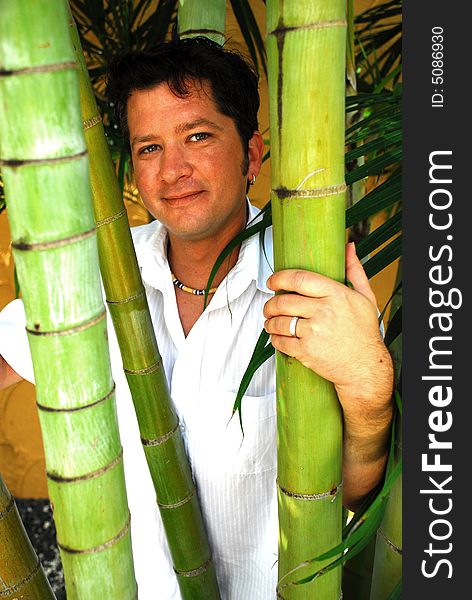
(338, 337)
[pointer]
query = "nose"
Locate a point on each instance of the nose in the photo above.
(174, 164)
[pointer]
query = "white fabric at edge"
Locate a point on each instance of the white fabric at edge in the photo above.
(235, 477)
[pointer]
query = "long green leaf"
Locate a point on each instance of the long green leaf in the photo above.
(378, 199)
(258, 358)
(394, 328)
(250, 31)
(243, 235)
(384, 257)
(375, 166)
(389, 138)
(380, 235)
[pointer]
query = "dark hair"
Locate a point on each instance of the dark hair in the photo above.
(180, 63)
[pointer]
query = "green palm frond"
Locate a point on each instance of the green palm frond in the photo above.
(250, 32)
(107, 30)
(396, 592)
(379, 47)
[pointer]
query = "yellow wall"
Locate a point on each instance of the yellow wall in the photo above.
(21, 448)
(21, 451)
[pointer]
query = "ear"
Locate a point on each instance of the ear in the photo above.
(255, 154)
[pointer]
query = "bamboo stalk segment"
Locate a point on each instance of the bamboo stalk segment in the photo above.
(306, 60)
(45, 171)
(158, 423)
(357, 574)
(21, 574)
(202, 18)
(387, 571)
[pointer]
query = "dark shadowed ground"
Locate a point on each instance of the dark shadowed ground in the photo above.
(37, 519)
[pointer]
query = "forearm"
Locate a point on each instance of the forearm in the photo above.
(365, 454)
(367, 413)
(7, 375)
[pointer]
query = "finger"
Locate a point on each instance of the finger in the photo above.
(287, 345)
(291, 305)
(356, 275)
(281, 326)
(303, 282)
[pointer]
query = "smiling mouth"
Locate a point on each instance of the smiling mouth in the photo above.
(182, 197)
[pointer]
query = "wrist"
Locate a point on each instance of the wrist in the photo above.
(368, 396)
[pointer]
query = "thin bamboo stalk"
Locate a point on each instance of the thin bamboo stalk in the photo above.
(202, 18)
(306, 58)
(21, 574)
(45, 170)
(387, 569)
(158, 423)
(357, 574)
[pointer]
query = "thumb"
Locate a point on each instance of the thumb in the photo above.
(356, 275)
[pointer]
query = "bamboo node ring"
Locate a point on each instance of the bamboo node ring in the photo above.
(38, 246)
(178, 504)
(110, 219)
(319, 496)
(92, 475)
(322, 192)
(389, 542)
(189, 32)
(89, 123)
(15, 588)
(280, 597)
(154, 367)
(125, 300)
(160, 440)
(114, 540)
(45, 408)
(51, 68)
(24, 162)
(82, 327)
(195, 572)
(8, 508)
(281, 31)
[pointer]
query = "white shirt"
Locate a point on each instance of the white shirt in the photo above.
(235, 475)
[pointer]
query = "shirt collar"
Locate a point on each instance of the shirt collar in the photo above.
(255, 262)
(265, 253)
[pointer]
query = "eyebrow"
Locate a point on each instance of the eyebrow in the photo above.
(197, 123)
(179, 129)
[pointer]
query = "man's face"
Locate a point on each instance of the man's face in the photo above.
(188, 162)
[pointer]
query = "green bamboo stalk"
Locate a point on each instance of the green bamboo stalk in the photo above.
(387, 570)
(45, 170)
(357, 574)
(21, 574)
(306, 57)
(158, 423)
(202, 18)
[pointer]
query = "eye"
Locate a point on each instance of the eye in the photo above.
(199, 137)
(148, 149)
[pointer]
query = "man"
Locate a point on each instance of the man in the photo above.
(189, 112)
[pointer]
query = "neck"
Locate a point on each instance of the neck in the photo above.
(194, 271)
